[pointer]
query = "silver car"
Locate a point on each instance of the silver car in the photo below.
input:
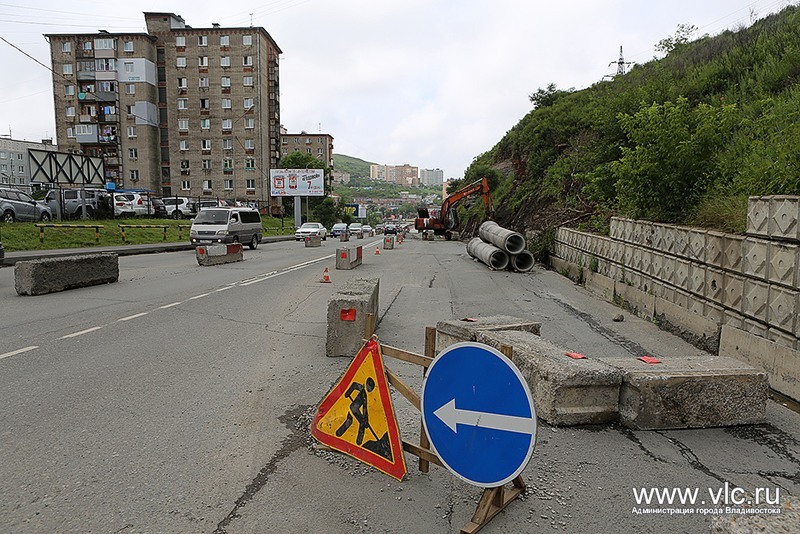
(16, 205)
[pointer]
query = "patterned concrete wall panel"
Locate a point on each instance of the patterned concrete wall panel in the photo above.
(734, 319)
(782, 338)
(560, 231)
(668, 269)
(697, 279)
(715, 245)
(754, 258)
(681, 246)
(783, 264)
(715, 313)
(758, 216)
(627, 230)
(755, 299)
(627, 255)
(648, 235)
(670, 238)
(633, 279)
(636, 259)
(782, 308)
(603, 246)
(784, 212)
(657, 237)
(636, 233)
(755, 328)
(656, 265)
(615, 228)
(732, 253)
(714, 286)
(696, 245)
(647, 262)
(614, 271)
(697, 305)
(734, 289)
(681, 298)
(681, 276)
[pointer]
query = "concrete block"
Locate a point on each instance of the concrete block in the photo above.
(715, 246)
(758, 216)
(681, 245)
(313, 241)
(732, 253)
(657, 265)
(601, 285)
(565, 391)
(714, 285)
(50, 275)
(634, 300)
(344, 237)
(783, 264)
(697, 279)
(696, 245)
(756, 328)
(733, 291)
(695, 328)
(388, 242)
(754, 299)
(218, 254)
(782, 308)
(457, 330)
(782, 364)
(349, 257)
(680, 277)
(754, 258)
(782, 338)
(615, 228)
(784, 215)
(347, 315)
(690, 392)
(659, 239)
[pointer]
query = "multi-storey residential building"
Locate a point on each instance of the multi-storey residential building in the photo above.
(318, 145)
(405, 175)
(177, 110)
(378, 172)
(14, 165)
(431, 177)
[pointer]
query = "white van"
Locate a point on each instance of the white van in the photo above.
(226, 225)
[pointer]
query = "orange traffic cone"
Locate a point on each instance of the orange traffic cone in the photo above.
(377, 251)
(326, 279)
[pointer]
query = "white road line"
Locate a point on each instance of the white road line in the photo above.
(223, 289)
(18, 351)
(199, 296)
(76, 334)
(170, 305)
(132, 317)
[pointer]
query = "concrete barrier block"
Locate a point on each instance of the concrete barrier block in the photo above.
(690, 392)
(782, 338)
(388, 242)
(634, 300)
(783, 264)
(754, 299)
(349, 257)
(696, 245)
(733, 291)
(313, 241)
(758, 216)
(565, 391)
(219, 254)
(699, 330)
(344, 237)
(680, 277)
(697, 279)
(754, 258)
(782, 308)
(615, 228)
(600, 284)
(732, 253)
(50, 275)
(659, 238)
(458, 330)
(715, 244)
(714, 288)
(347, 315)
(784, 217)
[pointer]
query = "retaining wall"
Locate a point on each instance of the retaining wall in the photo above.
(695, 281)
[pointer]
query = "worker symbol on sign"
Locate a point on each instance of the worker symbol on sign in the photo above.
(359, 412)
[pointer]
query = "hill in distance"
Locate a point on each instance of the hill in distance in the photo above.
(356, 167)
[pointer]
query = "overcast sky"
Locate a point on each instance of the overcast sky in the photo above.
(432, 83)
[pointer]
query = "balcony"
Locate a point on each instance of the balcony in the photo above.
(86, 75)
(87, 119)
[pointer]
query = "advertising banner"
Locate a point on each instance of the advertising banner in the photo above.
(297, 182)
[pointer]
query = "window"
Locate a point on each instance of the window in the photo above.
(227, 124)
(249, 123)
(203, 82)
(131, 131)
(105, 65)
(70, 111)
(129, 46)
(133, 153)
(247, 61)
(108, 87)
(285, 151)
(227, 144)
(202, 40)
(249, 144)
(184, 144)
(226, 103)
(206, 185)
(180, 40)
(66, 69)
(183, 103)
(128, 66)
(86, 45)
(134, 174)
(207, 164)
(225, 61)
(202, 61)
(184, 164)
(66, 47)
(225, 81)
(319, 151)
(129, 110)
(227, 164)
(205, 144)
(251, 183)
(250, 164)
(182, 83)
(83, 129)
(105, 44)
(130, 89)
(224, 40)
(247, 81)
(228, 184)
(186, 185)
(205, 124)
(180, 62)
(183, 124)
(204, 103)
(248, 103)
(308, 151)
(69, 90)
(247, 40)
(71, 133)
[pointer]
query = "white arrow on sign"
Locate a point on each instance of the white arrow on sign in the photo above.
(452, 416)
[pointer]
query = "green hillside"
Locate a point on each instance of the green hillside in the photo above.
(685, 138)
(357, 168)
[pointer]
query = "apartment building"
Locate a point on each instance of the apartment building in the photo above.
(431, 177)
(318, 145)
(14, 162)
(405, 175)
(177, 110)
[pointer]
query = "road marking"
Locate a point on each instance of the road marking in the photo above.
(274, 274)
(199, 296)
(170, 305)
(223, 289)
(76, 334)
(452, 417)
(133, 316)
(18, 351)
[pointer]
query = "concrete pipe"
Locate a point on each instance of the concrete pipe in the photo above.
(510, 241)
(522, 262)
(487, 253)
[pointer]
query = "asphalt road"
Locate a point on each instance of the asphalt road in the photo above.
(179, 400)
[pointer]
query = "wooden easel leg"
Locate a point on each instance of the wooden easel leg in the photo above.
(430, 352)
(492, 502)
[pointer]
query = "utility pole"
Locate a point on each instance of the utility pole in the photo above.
(621, 63)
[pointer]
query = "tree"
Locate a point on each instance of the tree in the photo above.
(682, 36)
(548, 96)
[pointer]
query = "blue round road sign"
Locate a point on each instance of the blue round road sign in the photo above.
(479, 415)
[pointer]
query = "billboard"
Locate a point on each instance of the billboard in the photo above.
(297, 182)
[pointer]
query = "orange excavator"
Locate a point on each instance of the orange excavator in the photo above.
(442, 222)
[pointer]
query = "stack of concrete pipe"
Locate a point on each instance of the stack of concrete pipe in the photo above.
(500, 248)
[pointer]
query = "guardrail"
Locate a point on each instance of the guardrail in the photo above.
(122, 228)
(96, 227)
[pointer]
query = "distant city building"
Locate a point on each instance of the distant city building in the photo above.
(378, 172)
(318, 145)
(340, 177)
(405, 175)
(178, 110)
(14, 165)
(431, 177)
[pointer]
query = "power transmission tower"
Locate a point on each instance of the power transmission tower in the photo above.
(621, 64)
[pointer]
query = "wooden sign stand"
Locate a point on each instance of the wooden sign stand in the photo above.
(493, 500)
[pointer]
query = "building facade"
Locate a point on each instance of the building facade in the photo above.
(318, 145)
(405, 175)
(177, 110)
(14, 165)
(432, 177)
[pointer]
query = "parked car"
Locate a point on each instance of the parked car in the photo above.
(390, 229)
(16, 205)
(179, 207)
(356, 230)
(227, 225)
(123, 205)
(311, 229)
(379, 228)
(74, 202)
(338, 229)
(368, 231)
(159, 208)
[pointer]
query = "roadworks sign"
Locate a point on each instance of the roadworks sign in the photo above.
(357, 416)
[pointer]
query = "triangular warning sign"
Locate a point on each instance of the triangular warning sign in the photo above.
(357, 416)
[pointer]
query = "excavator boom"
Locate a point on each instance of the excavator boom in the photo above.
(446, 220)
